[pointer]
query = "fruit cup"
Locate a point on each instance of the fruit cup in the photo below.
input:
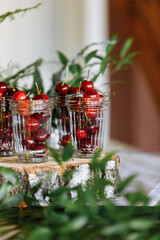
(6, 130)
(31, 128)
(87, 113)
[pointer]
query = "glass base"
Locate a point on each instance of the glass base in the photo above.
(9, 153)
(79, 154)
(31, 159)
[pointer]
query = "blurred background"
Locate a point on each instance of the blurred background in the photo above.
(70, 25)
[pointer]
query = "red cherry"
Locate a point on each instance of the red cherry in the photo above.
(76, 103)
(3, 86)
(32, 124)
(6, 133)
(74, 90)
(6, 144)
(10, 91)
(92, 130)
(42, 135)
(65, 140)
(87, 85)
(91, 112)
(41, 96)
(41, 149)
(1, 93)
(62, 88)
(80, 133)
(30, 142)
(85, 145)
(24, 107)
(20, 95)
(42, 117)
(91, 96)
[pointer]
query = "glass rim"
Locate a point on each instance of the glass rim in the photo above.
(72, 99)
(38, 103)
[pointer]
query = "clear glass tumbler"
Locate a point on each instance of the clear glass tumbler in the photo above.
(31, 128)
(87, 123)
(6, 129)
(62, 121)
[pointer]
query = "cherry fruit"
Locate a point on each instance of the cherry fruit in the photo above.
(91, 96)
(3, 86)
(80, 133)
(42, 135)
(19, 96)
(85, 145)
(1, 93)
(41, 149)
(62, 88)
(65, 140)
(30, 142)
(32, 124)
(87, 85)
(74, 90)
(91, 112)
(42, 117)
(41, 96)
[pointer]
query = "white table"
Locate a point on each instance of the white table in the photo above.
(145, 165)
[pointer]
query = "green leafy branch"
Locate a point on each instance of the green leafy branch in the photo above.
(86, 217)
(17, 11)
(107, 60)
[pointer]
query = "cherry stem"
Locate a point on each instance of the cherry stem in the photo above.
(107, 91)
(38, 91)
(28, 94)
(80, 86)
(88, 75)
(88, 120)
(67, 71)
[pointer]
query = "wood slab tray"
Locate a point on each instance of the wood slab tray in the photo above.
(32, 174)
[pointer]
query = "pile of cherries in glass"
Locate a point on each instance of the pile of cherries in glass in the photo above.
(32, 126)
(85, 105)
(6, 130)
(33, 121)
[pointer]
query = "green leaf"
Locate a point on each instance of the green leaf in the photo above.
(4, 190)
(137, 197)
(155, 237)
(104, 64)
(75, 68)
(75, 224)
(117, 228)
(75, 81)
(37, 78)
(126, 60)
(95, 78)
(110, 46)
(125, 183)
(67, 152)
(12, 201)
(9, 175)
(95, 160)
(67, 176)
(141, 224)
(55, 154)
(104, 160)
(90, 56)
(126, 47)
(41, 233)
(64, 60)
